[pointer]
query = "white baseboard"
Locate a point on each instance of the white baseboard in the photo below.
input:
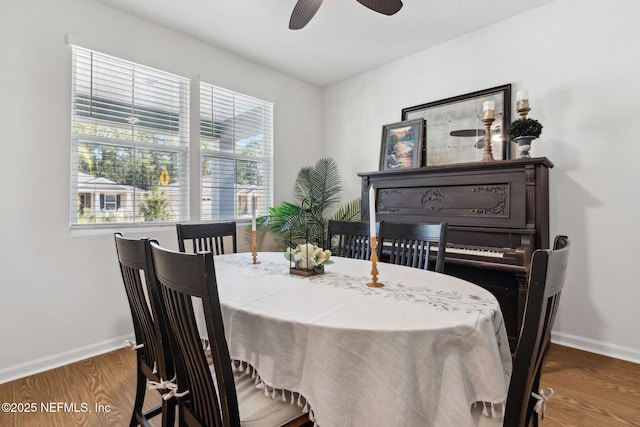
(598, 347)
(56, 360)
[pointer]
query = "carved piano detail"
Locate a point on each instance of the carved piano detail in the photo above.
(498, 214)
(463, 200)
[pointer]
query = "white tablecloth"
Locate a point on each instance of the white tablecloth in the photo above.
(417, 352)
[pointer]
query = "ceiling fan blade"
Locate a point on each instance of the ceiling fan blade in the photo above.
(467, 132)
(303, 12)
(386, 7)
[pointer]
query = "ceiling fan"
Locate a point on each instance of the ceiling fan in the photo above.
(305, 9)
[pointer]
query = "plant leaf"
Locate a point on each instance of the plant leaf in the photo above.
(349, 212)
(320, 185)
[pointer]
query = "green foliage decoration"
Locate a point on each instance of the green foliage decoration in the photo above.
(525, 127)
(320, 185)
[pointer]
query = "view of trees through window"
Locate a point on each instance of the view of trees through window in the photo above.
(129, 141)
(130, 146)
(130, 172)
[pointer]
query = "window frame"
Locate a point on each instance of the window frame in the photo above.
(190, 152)
(170, 141)
(266, 160)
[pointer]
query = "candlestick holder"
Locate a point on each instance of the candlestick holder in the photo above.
(522, 107)
(374, 265)
(254, 247)
(487, 156)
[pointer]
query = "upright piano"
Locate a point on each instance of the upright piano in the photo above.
(497, 215)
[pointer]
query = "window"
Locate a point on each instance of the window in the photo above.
(130, 129)
(236, 139)
(110, 202)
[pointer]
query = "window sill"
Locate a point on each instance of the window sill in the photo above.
(97, 229)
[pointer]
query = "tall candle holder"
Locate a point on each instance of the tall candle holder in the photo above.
(254, 247)
(374, 264)
(254, 233)
(522, 103)
(487, 155)
(488, 116)
(522, 112)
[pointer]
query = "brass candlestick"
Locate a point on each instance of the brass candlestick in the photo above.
(374, 267)
(254, 247)
(487, 155)
(522, 106)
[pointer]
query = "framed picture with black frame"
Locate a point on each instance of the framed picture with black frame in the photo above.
(455, 132)
(402, 145)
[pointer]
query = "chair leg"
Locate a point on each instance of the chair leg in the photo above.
(141, 387)
(181, 417)
(536, 386)
(168, 412)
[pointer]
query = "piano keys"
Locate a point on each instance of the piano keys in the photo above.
(497, 214)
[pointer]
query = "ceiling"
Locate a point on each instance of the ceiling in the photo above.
(342, 40)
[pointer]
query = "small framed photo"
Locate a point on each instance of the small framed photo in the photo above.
(402, 144)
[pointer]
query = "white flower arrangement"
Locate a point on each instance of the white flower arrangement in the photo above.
(308, 256)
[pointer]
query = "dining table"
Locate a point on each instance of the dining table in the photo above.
(426, 349)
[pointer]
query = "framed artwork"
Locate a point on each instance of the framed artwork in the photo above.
(455, 132)
(402, 144)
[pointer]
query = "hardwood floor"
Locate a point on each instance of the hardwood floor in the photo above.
(108, 379)
(590, 391)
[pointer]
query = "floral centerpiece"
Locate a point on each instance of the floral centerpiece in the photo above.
(308, 258)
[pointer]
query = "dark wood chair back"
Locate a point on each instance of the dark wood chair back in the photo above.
(181, 277)
(207, 237)
(351, 239)
(414, 244)
(546, 280)
(154, 362)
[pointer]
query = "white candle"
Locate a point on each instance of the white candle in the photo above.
(488, 109)
(372, 212)
(253, 213)
(522, 100)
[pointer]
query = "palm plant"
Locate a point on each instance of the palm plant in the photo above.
(317, 189)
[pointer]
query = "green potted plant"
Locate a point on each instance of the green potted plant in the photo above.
(523, 131)
(320, 186)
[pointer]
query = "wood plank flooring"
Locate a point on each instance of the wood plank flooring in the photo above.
(590, 391)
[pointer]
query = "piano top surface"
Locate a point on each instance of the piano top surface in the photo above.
(496, 165)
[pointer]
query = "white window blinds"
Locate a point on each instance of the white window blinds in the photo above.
(130, 138)
(236, 145)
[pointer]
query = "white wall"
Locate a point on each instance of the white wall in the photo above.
(579, 61)
(61, 294)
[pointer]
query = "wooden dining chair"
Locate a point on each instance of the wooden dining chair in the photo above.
(209, 395)
(352, 239)
(546, 280)
(207, 237)
(412, 244)
(154, 362)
